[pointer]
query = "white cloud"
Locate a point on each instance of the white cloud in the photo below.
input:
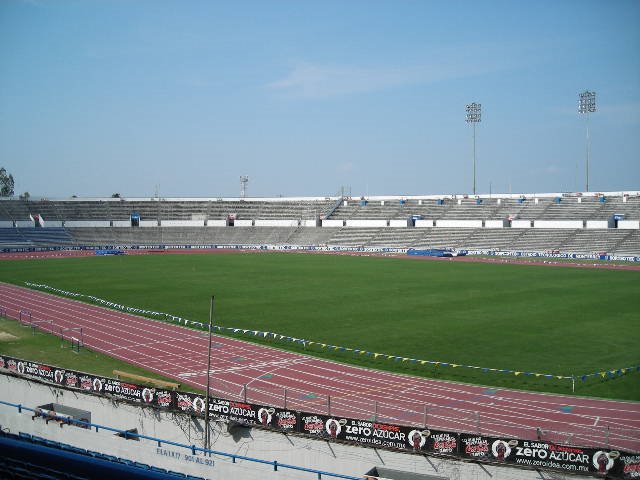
(319, 81)
(309, 80)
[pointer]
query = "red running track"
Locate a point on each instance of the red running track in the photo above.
(265, 375)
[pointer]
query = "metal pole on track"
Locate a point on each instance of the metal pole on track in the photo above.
(206, 406)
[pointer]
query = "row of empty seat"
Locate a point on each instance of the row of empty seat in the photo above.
(569, 208)
(29, 457)
(535, 208)
(612, 241)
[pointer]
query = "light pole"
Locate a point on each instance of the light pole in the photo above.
(474, 115)
(587, 105)
(207, 439)
(244, 179)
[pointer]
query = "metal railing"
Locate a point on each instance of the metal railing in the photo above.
(191, 448)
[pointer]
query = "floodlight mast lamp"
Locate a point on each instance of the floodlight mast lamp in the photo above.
(587, 105)
(244, 179)
(474, 115)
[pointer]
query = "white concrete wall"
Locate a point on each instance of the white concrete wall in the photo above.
(424, 223)
(276, 223)
(558, 224)
(90, 223)
(120, 223)
(148, 223)
(459, 223)
(362, 223)
(311, 223)
(399, 223)
(495, 223)
(597, 224)
(6, 224)
(216, 223)
(521, 224)
(243, 223)
(629, 224)
(332, 223)
(52, 224)
(182, 223)
(296, 450)
(25, 223)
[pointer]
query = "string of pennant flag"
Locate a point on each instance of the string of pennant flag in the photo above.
(329, 347)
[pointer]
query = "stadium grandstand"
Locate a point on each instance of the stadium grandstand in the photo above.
(57, 423)
(580, 222)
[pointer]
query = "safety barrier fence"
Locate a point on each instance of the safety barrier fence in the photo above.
(193, 449)
(337, 424)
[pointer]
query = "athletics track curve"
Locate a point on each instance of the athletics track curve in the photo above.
(262, 374)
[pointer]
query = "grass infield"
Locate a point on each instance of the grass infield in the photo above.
(563, 321)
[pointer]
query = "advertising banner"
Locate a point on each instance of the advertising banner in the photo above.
(238, 411)
(514, 452)
(538, 454)
(375, 434)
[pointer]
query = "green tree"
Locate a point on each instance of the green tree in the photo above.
(25, 196)
(6, 183)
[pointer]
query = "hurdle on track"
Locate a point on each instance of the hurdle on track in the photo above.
(72, 329)
(25, 317)
(35, 324)
(75, 345)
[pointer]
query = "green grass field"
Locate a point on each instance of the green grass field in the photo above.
(564, 321)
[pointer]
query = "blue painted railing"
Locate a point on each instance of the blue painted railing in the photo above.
(192, 448)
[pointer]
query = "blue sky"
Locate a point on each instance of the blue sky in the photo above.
(304, 97)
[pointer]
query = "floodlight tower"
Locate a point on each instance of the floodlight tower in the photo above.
(587, 105)
(243, 185)
(474, 115)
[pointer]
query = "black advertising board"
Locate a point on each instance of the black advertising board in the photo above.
(544, 455)
(190, 403)
(88, 382)
(246, 413)
(442, 443)
(377, 434)
(514, 452)
(627, 466)
(137, 393)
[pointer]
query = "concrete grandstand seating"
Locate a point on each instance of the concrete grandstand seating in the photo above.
(353, 237)
(444, 238)
(540, 239)
(13, 238)
(181, 235)
(163, 209)
(573, 207)
(595, 241)
(492, 239)
(629, 245)
(34, 237)
(311, 236)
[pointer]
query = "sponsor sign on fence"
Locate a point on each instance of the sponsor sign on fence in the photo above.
(515, 452)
